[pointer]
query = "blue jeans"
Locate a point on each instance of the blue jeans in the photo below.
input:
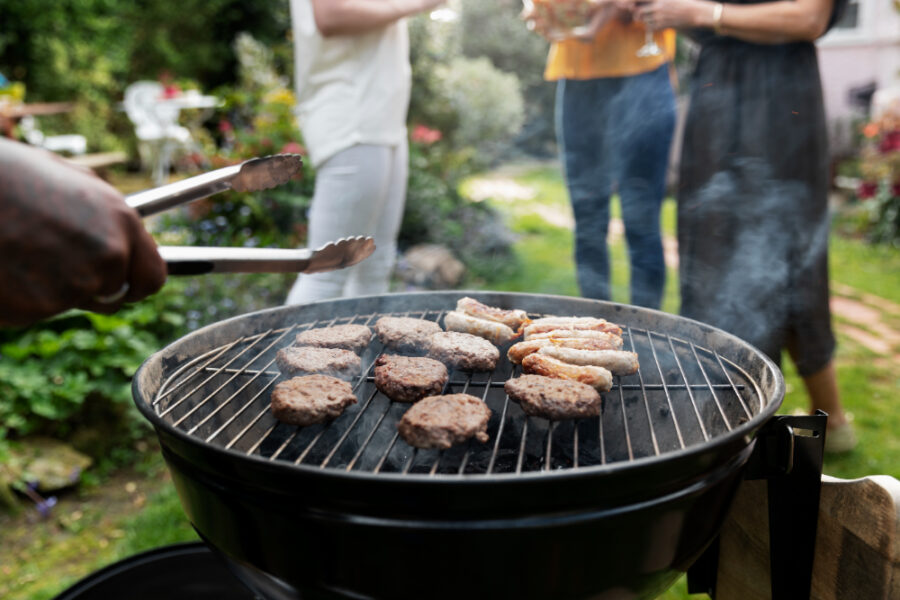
(617, 131)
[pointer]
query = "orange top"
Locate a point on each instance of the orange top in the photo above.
(612, 53)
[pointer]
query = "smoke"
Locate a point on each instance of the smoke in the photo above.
(751, 242)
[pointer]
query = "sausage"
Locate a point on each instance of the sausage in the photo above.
(511, 318)
(618, 362)
(494, 332)
(542, 364)
(520, 350)
(550, 323)
(614, 341)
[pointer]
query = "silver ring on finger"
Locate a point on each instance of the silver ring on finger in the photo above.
(114, 297)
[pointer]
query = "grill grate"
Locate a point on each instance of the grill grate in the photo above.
(682, 395)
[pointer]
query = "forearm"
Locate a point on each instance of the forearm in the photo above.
(769, 22)
(347, 17)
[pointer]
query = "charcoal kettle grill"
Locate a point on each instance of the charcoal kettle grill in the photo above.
(616, 506)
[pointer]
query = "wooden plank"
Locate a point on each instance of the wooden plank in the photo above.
(99, 160)
(857, 542)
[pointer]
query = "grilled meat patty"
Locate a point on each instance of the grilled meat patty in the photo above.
(442, 421)
(305, 360)
(405, 334)
(556, 399)
(463, 351)
(409, 378)
(311, 399)
(349, 337)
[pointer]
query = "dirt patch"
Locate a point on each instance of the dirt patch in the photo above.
(84, 523)
(865, 319)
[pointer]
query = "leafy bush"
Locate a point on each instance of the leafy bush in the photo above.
(494, 30)
(88, 51)
(487, 101)
(879, 167)
(55, 373)
(437, 213)
(444, 146)
(257, 119)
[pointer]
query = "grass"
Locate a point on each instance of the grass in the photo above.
(138, 509)
(133, 510)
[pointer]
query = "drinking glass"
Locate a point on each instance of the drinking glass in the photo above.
(650, 47)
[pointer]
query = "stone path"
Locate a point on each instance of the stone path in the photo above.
(868, 320)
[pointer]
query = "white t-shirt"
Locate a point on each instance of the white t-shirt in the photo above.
(351, 89)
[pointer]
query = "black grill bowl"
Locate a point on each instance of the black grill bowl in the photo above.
(618, 515)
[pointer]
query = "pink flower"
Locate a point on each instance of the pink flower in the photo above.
(867, 189)
(293, 148)
(425, 135)
(225, 126)
(890, 142)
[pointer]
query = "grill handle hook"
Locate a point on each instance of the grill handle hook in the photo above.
(788, 454)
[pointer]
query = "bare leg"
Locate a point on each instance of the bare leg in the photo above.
(823, 394)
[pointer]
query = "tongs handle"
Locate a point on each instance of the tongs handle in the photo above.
(199, 260)
(155, 200)
(251, 175)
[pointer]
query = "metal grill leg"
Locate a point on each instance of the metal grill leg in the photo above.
(789, 453)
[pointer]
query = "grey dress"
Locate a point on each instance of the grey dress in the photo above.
(752, 200)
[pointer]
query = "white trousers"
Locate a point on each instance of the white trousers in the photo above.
(359, 191)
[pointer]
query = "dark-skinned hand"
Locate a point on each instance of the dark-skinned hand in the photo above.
(67, 240)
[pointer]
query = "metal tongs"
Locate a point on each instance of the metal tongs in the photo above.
(252, 175)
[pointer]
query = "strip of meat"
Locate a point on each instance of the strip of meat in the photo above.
(494, 332)
(472, 307)
(520, 350)
(541, 364)
(614, 340)
(617, 362)
(551, 323)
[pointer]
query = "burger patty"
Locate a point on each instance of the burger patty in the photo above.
(463, 351)
(348, 337)
(442, 421)
(556, 399)
(409, 379)
(405, 334)
(305, 360)
(311, 399)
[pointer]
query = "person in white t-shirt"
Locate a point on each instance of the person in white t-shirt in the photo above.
(353, 85)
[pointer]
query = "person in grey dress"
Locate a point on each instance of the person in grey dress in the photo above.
(752, 196)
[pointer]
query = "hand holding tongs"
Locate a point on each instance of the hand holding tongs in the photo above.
(252, 175)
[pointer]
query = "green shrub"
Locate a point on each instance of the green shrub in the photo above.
(55, 373)
(495, 31)
(488, 103)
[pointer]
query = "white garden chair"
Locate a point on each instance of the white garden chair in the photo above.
(156, 125)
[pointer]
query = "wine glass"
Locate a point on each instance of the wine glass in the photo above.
(650, 47)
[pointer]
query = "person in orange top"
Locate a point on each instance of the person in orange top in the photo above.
(615, 116)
